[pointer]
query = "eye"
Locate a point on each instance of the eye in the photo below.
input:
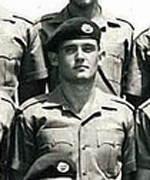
(88, 48)
(70, 49)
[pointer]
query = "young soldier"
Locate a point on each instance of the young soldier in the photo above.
(77, 120)
(116, 43)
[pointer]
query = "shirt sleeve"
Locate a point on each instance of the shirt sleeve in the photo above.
(129, 148)
(138, 78)
(21, 149)
(143, 139)
(33, 65)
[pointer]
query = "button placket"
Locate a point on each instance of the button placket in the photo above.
(82, 151)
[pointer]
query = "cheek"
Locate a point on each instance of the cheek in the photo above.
(93, 59)
(68, 61)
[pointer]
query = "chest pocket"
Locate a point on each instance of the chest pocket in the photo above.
(112, 58)
(56, 139)
(108, 153)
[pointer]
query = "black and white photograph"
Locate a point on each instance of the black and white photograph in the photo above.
(74, 90)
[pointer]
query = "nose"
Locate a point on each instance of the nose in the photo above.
(80, 55)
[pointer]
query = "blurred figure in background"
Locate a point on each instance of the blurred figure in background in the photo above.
(21, 67)
(143, 141)
(140, 90)
(139, 76)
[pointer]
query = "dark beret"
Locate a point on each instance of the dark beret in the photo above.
(74, 28)
(51, 166)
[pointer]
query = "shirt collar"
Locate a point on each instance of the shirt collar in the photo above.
(56, 99)
(61, 16)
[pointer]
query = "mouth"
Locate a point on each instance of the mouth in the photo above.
(81, 67)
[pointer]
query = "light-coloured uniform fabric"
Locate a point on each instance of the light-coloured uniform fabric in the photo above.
(21, 58)
(101, 144)
(116, 48)
(20, 62)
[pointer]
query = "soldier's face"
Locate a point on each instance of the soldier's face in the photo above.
(83, 3)
(57, 178)
(78, 59)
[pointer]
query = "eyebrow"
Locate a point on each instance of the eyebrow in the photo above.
(72, 45)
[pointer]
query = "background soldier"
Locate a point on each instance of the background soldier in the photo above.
(77, 119)
(143, 138)
(115, 47)
(139, 76)
(20, 65)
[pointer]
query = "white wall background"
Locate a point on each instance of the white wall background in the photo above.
(136, 11)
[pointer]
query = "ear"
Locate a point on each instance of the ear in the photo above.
(53, 59)
(100, 55)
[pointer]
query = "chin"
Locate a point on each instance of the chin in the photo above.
(84, 78)
(84, 3)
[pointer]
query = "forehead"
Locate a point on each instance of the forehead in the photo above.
(79, 42)
(83, 1)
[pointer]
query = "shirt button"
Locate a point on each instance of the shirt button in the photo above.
(84, 173)
(83, 147)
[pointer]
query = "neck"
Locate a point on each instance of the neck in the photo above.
(77, 94)
(92, 11)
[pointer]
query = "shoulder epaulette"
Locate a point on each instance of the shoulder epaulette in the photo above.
(112, 24)
(145, 107)
(9, 20)
(145, 104)
(108, 108)
(125, 21)
(23, 18)
(123, 102)
(142, 32)
(37, 99)
(46, 17)
(9, 101)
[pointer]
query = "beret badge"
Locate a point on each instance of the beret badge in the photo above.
(63, 167)
(87, 28)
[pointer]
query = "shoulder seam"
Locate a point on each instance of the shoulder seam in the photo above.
(33, 101)
(144, 105)
(9, 101)
(124, 103)
(46, 17)
(142, 32)
(28, 105)
(20, 17)
(123, 20)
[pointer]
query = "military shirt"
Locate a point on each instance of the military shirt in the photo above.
(115, 48)
(21, 58)
(20, 62)
(143, 141)
(101, 144)
(139, 81)
(7, 111)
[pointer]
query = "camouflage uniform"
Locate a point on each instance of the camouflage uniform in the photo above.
(101, 144)
(116, 48)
